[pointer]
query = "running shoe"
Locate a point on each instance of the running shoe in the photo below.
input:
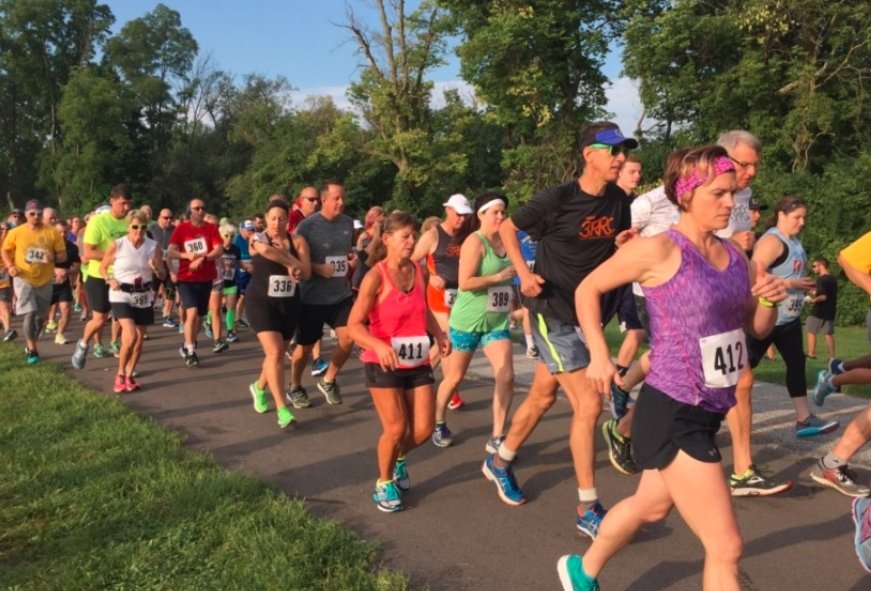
(32, 356)
(503, 478)
(330, 390)
(589, 521)
(456, 402)
(754, 483)
(862, 519)
(532, 351)
(115, 346)
(441, 435)
(77, 307)
(834, 366)
(191, 360)
(842, 479)
(182, 352)
(494, 443)
(132, 384)
(824, 387)
(80, 355)
(319, 367)
(571, 573)
(120, 384)
(619, 401)
(50, 326)
(285, 417)
(83, 316)
(10, 335)
(813, 426)
(240, 323)
(400, 475)
(60, 339)
(100, 352)
(260, 396)
(207, 326)
(387, 497)
(619, 449)
(169, 322)
(298, 397)
(181, 328)
(220, 346)
(232, 337)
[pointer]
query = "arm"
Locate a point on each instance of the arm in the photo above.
(366, 299)
(277, 255)
(157, 266)
(769, 249)
(432, 325)
(108, 260)
(530, 283)
(425, 246)
(471, 254)
(760, 317)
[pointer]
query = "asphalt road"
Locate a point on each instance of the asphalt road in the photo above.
(455, 532)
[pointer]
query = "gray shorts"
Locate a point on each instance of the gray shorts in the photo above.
(6, 294)
(817, 325)
(32, 299)
(560, 344)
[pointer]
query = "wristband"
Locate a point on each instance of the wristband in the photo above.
(766, 303)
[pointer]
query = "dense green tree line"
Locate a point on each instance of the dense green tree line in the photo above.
(82, 109)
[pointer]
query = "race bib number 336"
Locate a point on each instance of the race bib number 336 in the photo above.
(281, 286)
(724, 356)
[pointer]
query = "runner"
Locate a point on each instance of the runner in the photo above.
(440, 243)
(161, 231)
(577, 225)
(228, 270)
(366, 243)
(326, 295)
(243, 277)
(102, 230)
(480, 316)
(698, 289)
(212, 325)
(822, 316)
(62, 290)
(196, 245)
(782, 254)
(392, 301)
(272, 304)
(134, 261)
(9, 334)
(30, 252)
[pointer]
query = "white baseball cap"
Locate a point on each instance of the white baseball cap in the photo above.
(459, 203)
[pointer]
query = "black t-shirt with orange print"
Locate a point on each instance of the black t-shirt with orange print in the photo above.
(575, 233)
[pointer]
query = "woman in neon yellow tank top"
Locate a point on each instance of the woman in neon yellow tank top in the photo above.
(480, 315)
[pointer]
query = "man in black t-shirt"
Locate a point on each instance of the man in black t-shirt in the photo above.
(822, 316)
(578, 225)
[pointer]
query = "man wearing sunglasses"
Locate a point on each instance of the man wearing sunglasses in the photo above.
(577, 225)
(305, 204)
(161, 232)
(29, 252)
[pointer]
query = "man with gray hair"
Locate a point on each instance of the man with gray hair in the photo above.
(744, 150)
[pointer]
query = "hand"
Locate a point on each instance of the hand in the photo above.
(804, 284)
(173, 277)
(352, 258)
(60, 276)
(326, 270)
(768, 286)
(601, 373)
(11, 269)
(444, 344)
(436, 281)
(49, 257)
(113, 284)
(507, 273)
(196, 263)
(295, 271)
(387, 357)
(530, 284)
(745, 240)
(625, 236)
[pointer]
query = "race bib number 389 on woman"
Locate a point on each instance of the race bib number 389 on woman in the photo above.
(724, 356)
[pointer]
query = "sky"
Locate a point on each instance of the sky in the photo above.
(298, 39)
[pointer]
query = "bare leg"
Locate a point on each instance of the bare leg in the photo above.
(740, 420)
(499, 355)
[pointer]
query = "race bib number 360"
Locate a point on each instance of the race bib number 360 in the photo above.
(195, 245)
(499, 299)
(724, 356)
(339, 265)
(281, 286)
(412, 351)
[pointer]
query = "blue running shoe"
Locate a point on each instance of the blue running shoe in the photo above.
(32, 356)
(442, 436)
(504, 480)
(824, 387)
(862, 519)
(387, 497)
(570, 569)
(589, 521)
(80, 355)
(619, 401)
(400, 475)
(169, 322)
(319, 367)
(814, 425)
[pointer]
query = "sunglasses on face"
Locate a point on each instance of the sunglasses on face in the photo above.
(34, 213)
(612, 150)
(198, 208)
(136, 227)
(166, 217)
(227, 235)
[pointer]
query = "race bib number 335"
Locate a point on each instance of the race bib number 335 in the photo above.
(724, 356)
(339, 265)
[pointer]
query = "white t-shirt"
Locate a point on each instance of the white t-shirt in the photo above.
(653, 213)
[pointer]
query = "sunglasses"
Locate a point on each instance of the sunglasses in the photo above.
(227, 235)
(166, 217)
(198, 208)
(311, 199)
(136, 227)
(613, 150)
(34, 213)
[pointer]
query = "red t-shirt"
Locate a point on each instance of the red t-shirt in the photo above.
(294, 219)
(190, 238)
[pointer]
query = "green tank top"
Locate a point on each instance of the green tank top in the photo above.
(484, 310)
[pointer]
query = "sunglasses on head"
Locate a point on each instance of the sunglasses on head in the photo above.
(613, 150)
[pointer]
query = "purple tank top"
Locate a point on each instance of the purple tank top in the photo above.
(697, 347)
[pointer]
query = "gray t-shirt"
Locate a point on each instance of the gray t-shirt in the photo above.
(330, 242)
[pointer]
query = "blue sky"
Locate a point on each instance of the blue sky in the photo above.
(298, 40)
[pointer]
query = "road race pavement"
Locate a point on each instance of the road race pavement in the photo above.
(455, 532)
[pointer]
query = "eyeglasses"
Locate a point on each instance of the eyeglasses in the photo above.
(166, 217)
(227, 235)
(34, 213)
(612, 150)
(745, 165)
(136, 227)
(198, 208)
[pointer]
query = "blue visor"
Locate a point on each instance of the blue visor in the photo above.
(614, 137)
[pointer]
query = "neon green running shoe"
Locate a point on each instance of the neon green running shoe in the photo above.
(260, 396)
(285, 417)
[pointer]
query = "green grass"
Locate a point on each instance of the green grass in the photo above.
(93, 496)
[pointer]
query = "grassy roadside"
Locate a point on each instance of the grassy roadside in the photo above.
(93, 496)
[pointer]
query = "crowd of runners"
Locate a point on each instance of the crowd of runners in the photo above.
(681, 267)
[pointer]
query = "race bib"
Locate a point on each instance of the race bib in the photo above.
(450, 297)
(339, 265)
(140, 300)
(195, 245)
(499, 298)
(412, 351)
(724, 356)
(281, 286)
(228, 268)
(35, 255)
(791, 307)
(4, 275)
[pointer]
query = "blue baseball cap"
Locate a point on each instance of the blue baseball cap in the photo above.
(247, 225)
(606, 133)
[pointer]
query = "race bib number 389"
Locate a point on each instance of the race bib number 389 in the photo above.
(724, 356)
(499, 299)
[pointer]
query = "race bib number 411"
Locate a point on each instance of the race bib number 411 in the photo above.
(724, 356)
(412, 351)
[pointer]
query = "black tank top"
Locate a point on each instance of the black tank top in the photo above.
(447, 258)
(263, 269)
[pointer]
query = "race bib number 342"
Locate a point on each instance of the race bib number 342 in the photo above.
(724, 356)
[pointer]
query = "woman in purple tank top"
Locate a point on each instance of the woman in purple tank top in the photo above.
(701, 296)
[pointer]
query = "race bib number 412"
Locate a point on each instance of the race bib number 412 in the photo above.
(724, 356)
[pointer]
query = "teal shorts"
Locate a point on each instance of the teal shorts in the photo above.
(467, 342)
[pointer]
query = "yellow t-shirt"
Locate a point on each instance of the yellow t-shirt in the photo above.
(858, 254)
(102, 230)
(29, 248)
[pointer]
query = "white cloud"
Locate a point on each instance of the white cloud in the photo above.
(624, 104)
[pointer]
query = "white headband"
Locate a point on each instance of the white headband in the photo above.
(489, 204)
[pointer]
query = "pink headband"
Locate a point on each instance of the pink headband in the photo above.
(695, 178)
